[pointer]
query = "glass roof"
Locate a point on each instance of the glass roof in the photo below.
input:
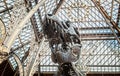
(100, 50)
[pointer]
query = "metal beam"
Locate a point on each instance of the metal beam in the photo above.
(66, 7)
(38, 11)
(111, 13)
(4, 10)
(107, 18)
(88, 21)
(103, 65)
(98, 35)
(105, 15)
(113, 73)
(93, 28)
(97, 38)
(87, 37)
(39, 69)
(118, 17)
(7, 7)
(35, 26)
(55, 11)
(19, 46)
(118, 1)
(25, 56)
(90, 73)
(98, 54)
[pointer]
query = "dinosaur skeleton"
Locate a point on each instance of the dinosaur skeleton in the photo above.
(64, 43)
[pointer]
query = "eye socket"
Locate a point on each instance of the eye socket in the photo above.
(75, 50)
(49, 14)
